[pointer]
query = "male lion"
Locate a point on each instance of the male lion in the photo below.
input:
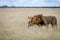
(42, 20)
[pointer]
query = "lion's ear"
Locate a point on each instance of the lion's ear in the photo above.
(41, 15)
(29, 17)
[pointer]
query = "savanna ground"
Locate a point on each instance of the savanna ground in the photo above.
(14, 21)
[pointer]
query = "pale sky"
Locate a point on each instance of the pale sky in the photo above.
(30, 3)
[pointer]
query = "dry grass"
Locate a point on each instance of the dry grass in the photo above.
(13, 24)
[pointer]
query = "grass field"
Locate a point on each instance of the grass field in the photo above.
(13, 24)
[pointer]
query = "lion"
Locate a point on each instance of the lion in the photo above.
(41, 20)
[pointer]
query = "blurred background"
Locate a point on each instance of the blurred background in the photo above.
(29, 3)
